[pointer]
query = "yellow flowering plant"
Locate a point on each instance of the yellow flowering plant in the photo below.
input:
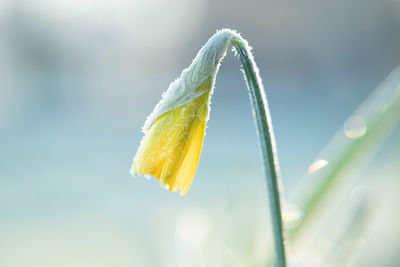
(174, 131)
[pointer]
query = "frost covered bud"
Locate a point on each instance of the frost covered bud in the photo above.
(174, 131)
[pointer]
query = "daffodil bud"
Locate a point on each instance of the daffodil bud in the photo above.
(174, 131)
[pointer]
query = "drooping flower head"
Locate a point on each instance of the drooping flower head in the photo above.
(174, 131)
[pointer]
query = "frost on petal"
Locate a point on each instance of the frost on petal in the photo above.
(205, 64)
(170, 149)
(174, 131)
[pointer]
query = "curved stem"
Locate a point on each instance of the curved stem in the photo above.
(267, 143)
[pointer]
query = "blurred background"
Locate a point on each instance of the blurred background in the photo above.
(78, 79)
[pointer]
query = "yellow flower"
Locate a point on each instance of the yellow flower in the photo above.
(174, 131)
(171, 148)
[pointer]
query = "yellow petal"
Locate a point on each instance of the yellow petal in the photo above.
(170, 149)
(187, 169)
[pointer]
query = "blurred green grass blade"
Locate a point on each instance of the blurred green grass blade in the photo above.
(350, 239)
(381, 114)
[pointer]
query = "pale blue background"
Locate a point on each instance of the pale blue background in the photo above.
(78, 79)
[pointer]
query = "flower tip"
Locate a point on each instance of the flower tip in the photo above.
(227, 31)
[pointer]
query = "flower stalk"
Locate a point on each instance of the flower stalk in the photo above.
(265, 132)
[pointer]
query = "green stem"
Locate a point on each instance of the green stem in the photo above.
(267, 142)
